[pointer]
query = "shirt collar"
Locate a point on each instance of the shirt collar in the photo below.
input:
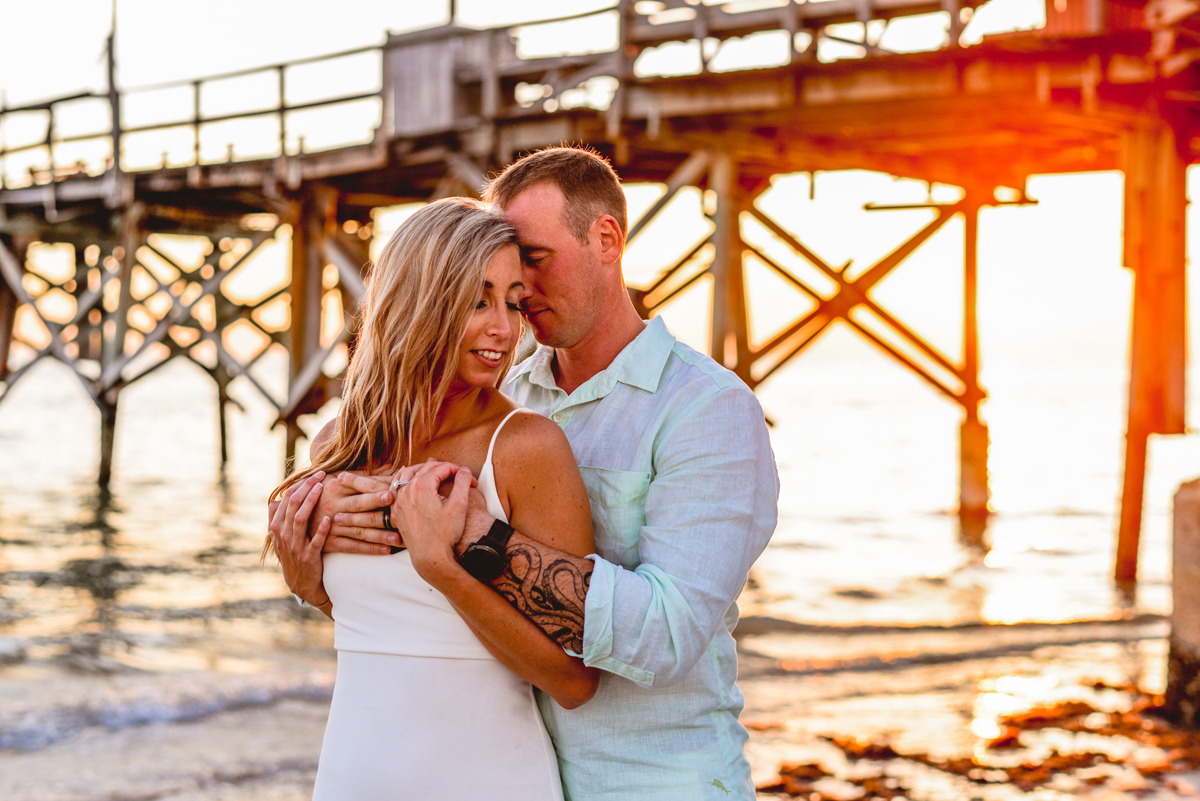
(640, 364)
(537, 368)
(643, 360)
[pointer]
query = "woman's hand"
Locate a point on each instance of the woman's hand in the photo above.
(432, 525)
(299, 556)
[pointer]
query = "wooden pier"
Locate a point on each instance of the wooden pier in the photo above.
(1107, 84)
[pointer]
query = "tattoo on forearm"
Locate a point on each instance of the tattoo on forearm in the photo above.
(549, 593)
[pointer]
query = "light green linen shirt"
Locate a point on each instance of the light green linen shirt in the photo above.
(674, 451)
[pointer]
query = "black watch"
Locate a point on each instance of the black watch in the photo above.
(484, 559)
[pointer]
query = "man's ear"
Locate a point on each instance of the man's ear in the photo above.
(611, 239)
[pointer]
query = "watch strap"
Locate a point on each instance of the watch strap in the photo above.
(484, 558)
(498, 536)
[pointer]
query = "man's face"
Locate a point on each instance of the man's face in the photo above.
(564, 278)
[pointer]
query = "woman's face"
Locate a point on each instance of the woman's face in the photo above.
(493, 326)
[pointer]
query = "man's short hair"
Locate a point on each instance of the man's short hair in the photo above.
(589, 185)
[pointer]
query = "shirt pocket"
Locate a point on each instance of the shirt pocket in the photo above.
(618, 500)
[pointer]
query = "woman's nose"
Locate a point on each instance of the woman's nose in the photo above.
(500, 326)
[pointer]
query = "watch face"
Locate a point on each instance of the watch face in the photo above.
(482, 562)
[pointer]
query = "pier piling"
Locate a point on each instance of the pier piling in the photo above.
(1155, 239)
(973, 489)
(107, 404)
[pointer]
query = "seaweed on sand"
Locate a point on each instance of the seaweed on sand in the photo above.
(1143, 724)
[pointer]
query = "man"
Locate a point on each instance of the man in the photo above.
(675, 456)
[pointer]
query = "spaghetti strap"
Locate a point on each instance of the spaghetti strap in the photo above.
(496, 434)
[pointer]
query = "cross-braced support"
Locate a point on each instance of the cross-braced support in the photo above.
(133, 305)
(725, 252)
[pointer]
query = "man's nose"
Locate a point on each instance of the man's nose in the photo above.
(527, 290)
(528, 276)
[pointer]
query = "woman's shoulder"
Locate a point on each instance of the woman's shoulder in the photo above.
(527, 424)
(323, 439)
(529, 439)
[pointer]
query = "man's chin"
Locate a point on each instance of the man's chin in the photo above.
(545, 335)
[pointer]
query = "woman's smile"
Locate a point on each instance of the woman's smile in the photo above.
(491, 358)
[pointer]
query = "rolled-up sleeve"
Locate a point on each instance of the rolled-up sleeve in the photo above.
(710, 511)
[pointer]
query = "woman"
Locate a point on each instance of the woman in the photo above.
(422, 708)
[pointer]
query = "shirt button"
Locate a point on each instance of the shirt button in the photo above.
(557, 418)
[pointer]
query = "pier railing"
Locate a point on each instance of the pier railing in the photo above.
(196, 123)
(640, 26)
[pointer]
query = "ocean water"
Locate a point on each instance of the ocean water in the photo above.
(147, 605)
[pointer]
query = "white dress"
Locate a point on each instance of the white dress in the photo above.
(420, 709)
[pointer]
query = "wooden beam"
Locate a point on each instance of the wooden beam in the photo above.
(114, 347)
(973, 489)
(730, 332)
(468, 172)
(687, 174)
(8, 319)
(889, 262)
(724, 24)
(350, 268)
(1155, 205)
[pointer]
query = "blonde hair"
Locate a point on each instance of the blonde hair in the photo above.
(423, 289)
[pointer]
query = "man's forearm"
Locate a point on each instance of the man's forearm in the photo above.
(548, 586)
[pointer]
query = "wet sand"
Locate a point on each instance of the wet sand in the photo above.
(930, 690)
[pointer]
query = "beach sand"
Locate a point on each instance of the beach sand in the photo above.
(931, 691)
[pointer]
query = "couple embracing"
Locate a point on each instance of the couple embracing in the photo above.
(539, 604)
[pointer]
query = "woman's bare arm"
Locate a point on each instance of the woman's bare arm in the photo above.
(547, 496)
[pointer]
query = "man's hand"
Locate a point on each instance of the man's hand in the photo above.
(478, 521)
(299, 556)
(354, 502)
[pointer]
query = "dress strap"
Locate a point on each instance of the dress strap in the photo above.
(496, 434)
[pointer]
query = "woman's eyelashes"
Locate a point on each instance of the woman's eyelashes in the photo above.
(517, 307)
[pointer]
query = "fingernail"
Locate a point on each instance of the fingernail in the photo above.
(393, 539)
(319, 474)
(337, 518)
(384, 549)
(341, 477)
(385, 497)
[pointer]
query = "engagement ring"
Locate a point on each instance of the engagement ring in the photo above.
(397, 484)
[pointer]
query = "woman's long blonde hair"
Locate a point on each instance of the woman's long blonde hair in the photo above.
(423, 289)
